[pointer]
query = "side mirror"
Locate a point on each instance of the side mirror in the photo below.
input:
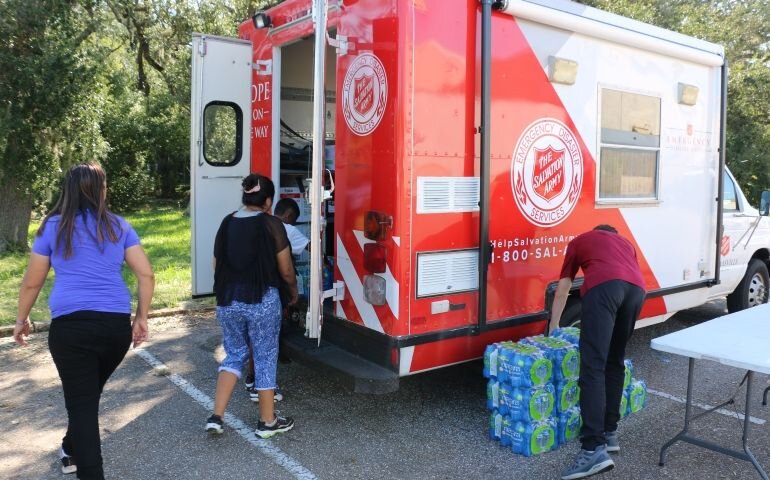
(764, 203)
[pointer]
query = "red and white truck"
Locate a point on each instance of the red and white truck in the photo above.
(466, 143)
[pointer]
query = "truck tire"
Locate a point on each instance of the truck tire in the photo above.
(572, 313)
(752, 290)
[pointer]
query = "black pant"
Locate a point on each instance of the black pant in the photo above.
(609, 312)
(87, 347)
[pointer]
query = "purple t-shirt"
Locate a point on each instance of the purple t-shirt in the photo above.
(91, 278)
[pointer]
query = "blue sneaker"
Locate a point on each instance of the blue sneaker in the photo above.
(613, 445)
(589, 463)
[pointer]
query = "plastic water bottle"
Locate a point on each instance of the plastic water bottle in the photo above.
(637, 396)
(569, 423)
(624, 404)
(495, 425)
(328, 276)
(506, 398)
(534, 438)
(504, 362)
(506, 431)
(570, 364)
(490, 358)
(531, 404)
(490, 361)
(570, 334)
(564, 356)
(493, 394)
(567, 395)
(523, 365)
(629, 373)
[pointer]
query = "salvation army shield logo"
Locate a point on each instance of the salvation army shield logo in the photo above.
(363, 99)
(364, 94)
(547, 172)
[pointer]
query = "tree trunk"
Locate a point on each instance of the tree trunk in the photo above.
(14, 218)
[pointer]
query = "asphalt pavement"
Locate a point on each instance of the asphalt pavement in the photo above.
(433, 427)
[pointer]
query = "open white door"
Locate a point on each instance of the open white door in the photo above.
(219, 143)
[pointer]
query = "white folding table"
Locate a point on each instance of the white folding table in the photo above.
(740, 340)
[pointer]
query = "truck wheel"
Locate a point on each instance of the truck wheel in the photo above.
(752, 290)
(572, 313)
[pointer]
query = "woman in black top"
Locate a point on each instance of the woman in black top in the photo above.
(252, 257)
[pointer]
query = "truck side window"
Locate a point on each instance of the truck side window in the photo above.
(630, 146)
(222, 133)
(729, 197)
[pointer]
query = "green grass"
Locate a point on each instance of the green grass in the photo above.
(165, 233)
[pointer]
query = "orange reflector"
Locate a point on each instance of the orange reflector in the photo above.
(376, 224)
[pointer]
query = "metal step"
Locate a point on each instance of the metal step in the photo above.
(361, 375)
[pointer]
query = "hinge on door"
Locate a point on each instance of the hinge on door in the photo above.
(337, 293)
(341, 43)
(202, 47)
(263, 67)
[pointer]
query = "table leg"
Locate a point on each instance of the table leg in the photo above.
(746, 423)
(687, 411)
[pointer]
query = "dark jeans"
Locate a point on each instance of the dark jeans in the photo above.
(87, 347)
(609, 312)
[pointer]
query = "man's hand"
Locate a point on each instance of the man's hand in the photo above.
(559, 302)
(553, 324)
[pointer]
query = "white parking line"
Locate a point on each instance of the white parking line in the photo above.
(723, 411)
(274, 453)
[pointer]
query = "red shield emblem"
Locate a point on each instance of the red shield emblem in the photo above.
(725, 250)
(363, 98)
(548, 173)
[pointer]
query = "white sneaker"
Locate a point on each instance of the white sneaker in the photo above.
(215, 425)
(67, 463)
(254, 395)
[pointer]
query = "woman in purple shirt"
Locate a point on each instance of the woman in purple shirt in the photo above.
(90, 304)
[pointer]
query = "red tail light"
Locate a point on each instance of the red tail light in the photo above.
(376, 225)
(374, 258)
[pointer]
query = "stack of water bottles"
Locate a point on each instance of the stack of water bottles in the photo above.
(533, 394)
(634, 391)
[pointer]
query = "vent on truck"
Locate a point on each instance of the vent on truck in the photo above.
(447, 194)
(442, 273)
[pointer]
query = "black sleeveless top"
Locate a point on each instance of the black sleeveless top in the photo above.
(245, 249)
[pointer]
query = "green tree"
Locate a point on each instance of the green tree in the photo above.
(47, 116)
(105, 80)
(157, 35)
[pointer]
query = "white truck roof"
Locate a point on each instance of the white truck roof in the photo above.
(598, 19)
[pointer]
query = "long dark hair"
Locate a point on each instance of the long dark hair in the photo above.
(84, 189)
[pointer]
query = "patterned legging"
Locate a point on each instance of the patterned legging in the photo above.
(256, 325)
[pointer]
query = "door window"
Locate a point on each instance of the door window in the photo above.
(729, 197)
(222, 133)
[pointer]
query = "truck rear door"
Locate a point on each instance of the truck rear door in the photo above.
(219, 143)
